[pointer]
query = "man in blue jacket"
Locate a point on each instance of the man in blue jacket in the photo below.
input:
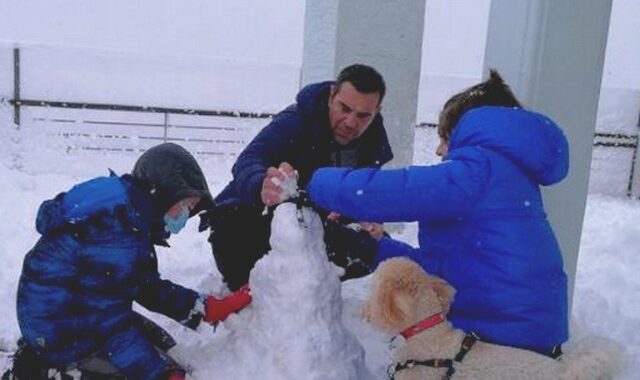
(331, 124)
(482, 224)
(95, 257)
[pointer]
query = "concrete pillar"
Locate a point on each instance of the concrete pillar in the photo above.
(385, 34)
(552, 53)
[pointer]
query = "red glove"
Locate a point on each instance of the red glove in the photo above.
(176, 376)
(217, 310)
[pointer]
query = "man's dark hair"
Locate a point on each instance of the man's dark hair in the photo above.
(492, 92)
(364, 78)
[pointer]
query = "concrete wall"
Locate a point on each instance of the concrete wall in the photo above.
(384, 34)
(552, 54)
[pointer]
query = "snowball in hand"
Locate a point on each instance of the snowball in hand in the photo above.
(289, 186)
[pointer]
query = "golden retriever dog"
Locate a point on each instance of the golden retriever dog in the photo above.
(408, 302)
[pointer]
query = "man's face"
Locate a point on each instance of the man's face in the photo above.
(351, 112)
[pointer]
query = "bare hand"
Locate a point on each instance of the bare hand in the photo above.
(288, 170)
(333, 216)
(271, 192)
(274, 186)
(376, 230)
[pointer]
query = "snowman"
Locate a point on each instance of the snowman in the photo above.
(296, 326)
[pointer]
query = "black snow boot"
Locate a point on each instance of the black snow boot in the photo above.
(28, 365)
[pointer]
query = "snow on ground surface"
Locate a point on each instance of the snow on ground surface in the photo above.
(298, 302)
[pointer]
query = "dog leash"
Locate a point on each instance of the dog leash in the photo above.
(467, 343)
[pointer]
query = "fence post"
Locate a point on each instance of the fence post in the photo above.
(634, 166)
(634, 157)
(166, 121)
(16, 86)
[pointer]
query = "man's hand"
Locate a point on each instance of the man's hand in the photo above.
(279, 184)
(217, 310)
(333, 216)
(376, 230)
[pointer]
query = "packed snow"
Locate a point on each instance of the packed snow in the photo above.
(294, 327)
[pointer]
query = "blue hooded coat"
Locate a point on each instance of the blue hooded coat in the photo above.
(96, 256)
(78, 283)
(482, 225)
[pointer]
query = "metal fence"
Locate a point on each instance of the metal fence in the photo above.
(617, 141)
(115, 127)
(121, 127)
(626, 142)
(118, 128)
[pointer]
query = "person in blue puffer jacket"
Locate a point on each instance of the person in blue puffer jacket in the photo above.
(482, 224)
(96, 256)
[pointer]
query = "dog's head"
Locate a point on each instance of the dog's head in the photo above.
(403, 294)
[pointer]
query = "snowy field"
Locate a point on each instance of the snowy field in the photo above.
(140, 53)
(267, 339)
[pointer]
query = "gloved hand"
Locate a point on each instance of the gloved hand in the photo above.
(217, 310)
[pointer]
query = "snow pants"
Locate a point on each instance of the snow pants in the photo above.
(144, 356)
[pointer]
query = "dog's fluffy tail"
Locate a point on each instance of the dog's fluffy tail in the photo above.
(593, 358)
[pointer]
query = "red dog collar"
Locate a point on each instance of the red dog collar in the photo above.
(423, 325)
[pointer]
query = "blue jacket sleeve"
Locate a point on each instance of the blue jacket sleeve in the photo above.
(165, 297)
(269, 148)
(437, 192)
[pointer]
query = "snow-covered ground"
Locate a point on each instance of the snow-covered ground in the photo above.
(268, 339)
(144, 54)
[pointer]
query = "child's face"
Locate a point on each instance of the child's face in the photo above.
(176, 217)
(443, 133)
(188, 203)
(443, 148)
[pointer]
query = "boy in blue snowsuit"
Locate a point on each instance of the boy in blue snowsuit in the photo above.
(96, 257)
(482, 224)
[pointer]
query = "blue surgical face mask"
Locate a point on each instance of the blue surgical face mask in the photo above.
(177, 223)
